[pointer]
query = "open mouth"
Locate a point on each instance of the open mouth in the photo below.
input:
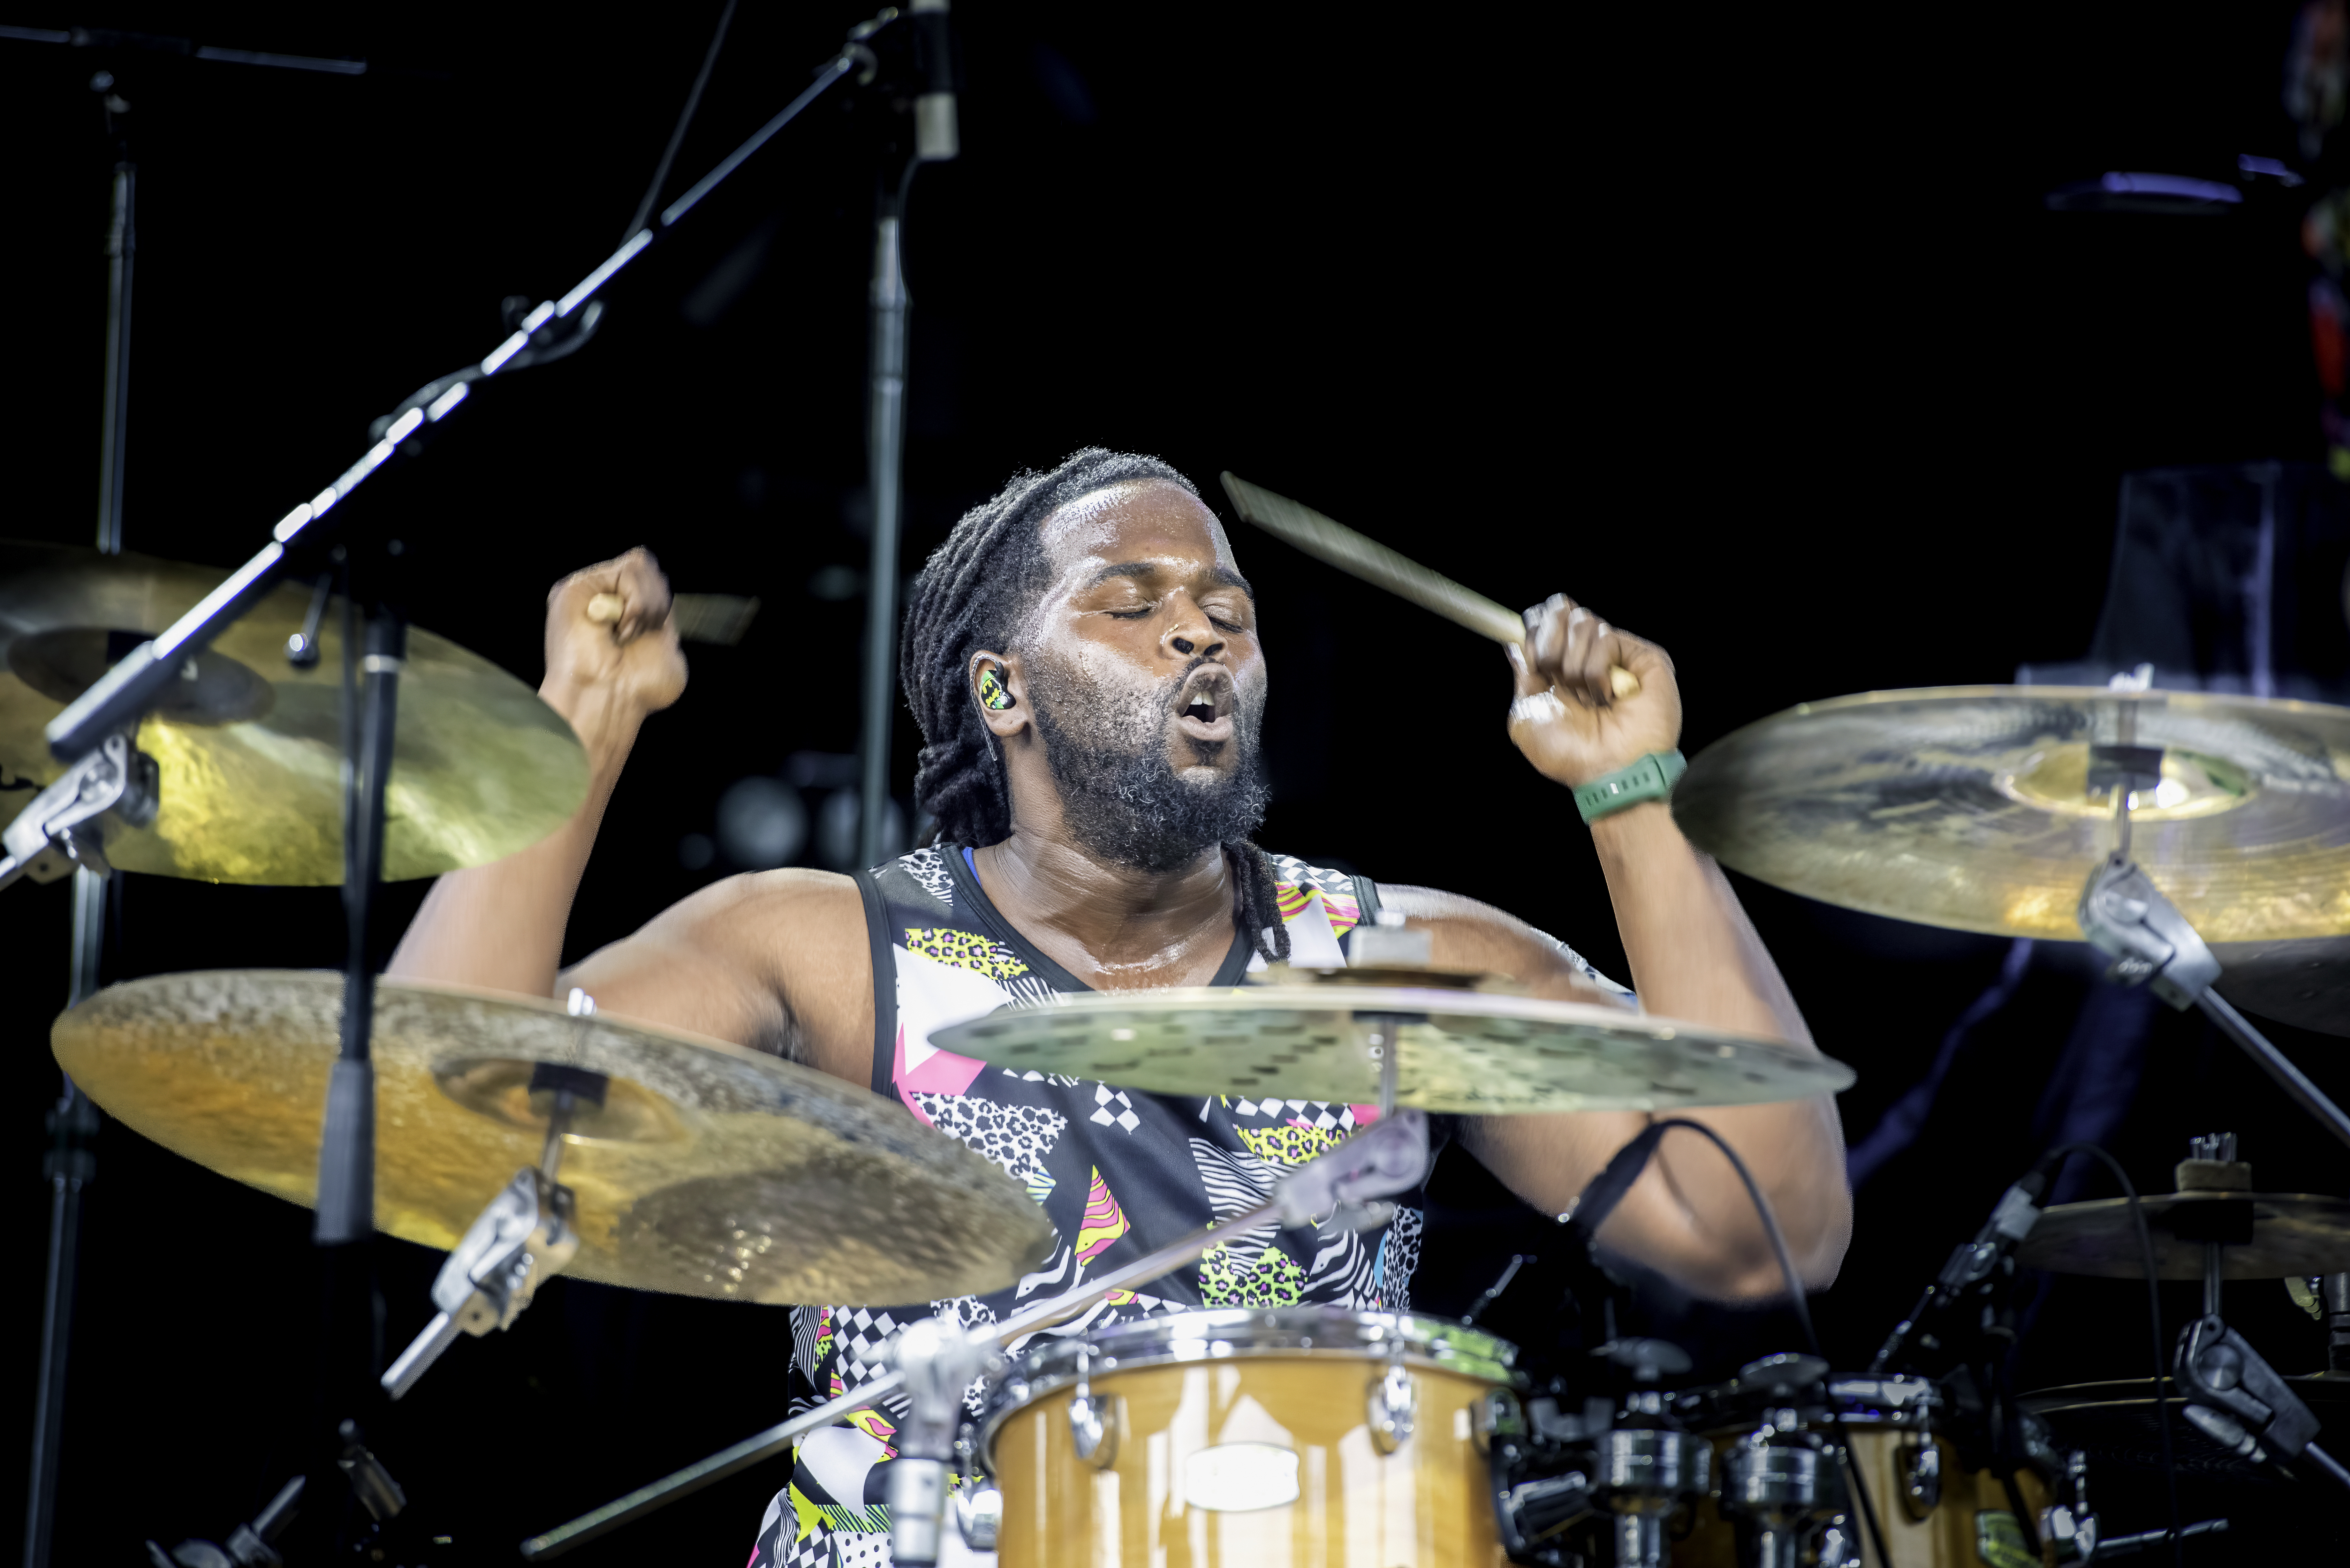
(1204, 709)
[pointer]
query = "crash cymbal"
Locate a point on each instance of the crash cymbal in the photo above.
(709, 1170)
(1969, 808)
(2282, 1234)
(1460, 1050)
(2304, 983)
(250, 748)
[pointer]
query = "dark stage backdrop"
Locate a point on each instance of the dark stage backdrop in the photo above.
(1751, 329)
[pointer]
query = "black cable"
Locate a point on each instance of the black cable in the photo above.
(2154, 1314)
(676, 137)
(1795, 1299)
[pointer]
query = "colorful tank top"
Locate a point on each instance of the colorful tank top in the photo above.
(1118, 1172)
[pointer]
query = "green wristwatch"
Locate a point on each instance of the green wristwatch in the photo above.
(1650, 778)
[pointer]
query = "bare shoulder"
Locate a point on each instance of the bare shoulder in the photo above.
(776, 961)
(1466, 934)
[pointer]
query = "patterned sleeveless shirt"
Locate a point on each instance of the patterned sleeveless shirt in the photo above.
(1118, 1172)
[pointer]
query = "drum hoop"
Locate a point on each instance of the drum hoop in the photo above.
(1245, 1333)
(1880, 1403)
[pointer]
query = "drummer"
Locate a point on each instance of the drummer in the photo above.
(1082, 656)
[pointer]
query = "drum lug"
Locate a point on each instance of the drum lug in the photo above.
(1092, 1427)
(978, 1513)
(1496, 1415)
(1393, 1403)
(1922, 1478)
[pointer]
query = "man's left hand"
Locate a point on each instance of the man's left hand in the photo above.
(1568, 718)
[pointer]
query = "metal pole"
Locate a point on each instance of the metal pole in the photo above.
(121, 245)
(69, 1168)
(346, 1211)
(73, 1122)
(2275, 1064)
(885, 446)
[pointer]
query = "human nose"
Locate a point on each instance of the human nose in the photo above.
(1190, 631)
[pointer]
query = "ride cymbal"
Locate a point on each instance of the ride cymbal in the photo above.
(1458, 1050)
(1970, 807)
(249, 747)
(709, 1170)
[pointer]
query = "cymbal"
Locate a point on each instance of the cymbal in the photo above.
(2304, 983)
(251, 749)
(1465, 1050)
(2286, 1233)
(1969, 807)
(709, 1170)
(2114, 1421)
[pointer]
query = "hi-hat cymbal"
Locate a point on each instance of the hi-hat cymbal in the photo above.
(1969, 808)
(1461, 1051)
(709, 1170)
(251, 749)
(2281, 1233)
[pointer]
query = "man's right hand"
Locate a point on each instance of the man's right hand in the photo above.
(606, 674)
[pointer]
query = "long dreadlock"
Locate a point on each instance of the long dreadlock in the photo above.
(973, 593)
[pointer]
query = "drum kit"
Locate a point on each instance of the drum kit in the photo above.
(651, 1158)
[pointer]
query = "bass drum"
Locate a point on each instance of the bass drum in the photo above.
(1297, 1437)
(1933, 1514)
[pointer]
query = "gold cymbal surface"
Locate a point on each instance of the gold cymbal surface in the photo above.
(711, 1170)
(1458, 1050)
(1969, 807)
(250, 748)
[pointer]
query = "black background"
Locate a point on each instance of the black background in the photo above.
(1751, 328)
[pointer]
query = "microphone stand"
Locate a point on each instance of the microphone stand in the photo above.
(73, 1122)
(91, 735)
(936, 141)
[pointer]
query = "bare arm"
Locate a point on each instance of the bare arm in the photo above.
(776, 961)
(502, 925)
(1694, 956)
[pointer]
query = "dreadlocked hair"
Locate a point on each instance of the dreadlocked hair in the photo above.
(975, 592)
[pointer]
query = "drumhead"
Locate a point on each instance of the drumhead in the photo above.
(1046, 1364)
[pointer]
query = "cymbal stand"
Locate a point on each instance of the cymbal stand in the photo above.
(526, 1237)
(1390, 1156)
(2236, 1399)
(2125, 915)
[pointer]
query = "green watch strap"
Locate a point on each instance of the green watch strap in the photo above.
(1650, 778)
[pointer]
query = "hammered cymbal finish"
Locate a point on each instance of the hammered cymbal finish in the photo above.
(1461, 1051)
(1969, 807)
(2290, 1234)
(712, 1171)
(249, 747)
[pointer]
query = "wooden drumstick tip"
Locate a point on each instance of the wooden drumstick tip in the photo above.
(606, 608)
(1622, 681)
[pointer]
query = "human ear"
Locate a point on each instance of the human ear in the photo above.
(1000, 694)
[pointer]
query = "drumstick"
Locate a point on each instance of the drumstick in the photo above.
(721, 619)
(1326, 539)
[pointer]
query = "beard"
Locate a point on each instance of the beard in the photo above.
(1122, 800)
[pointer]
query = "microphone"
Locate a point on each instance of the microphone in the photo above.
(936, 137)
(1971, 1263)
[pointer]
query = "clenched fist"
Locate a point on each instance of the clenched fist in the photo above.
(612, 656)
(1570, 719)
